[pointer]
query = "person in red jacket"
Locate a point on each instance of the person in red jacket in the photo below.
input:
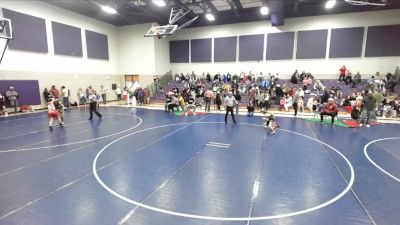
(342, 73)
(330, 109)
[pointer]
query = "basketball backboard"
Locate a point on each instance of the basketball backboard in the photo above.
(161, 31)
(5, 28)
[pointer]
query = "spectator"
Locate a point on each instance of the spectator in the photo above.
(368, 107)
(356, 80)
(54, 92)
(238, 98)
(156, 81)
(65, 96)
(319, 86)
(342, 73)
(173, 104)
(312, 104)
(296, 97)
(330, 109)
(46, 95)
(81, 97)
(2, 104)
(294, 78)
(191, 106)
(218, 101)
(118, 92)
(12, 96)
(208, 97)
(348, 78)
(250, 108)
(103, 92)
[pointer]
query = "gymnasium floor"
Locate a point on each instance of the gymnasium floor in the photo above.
(195, 170)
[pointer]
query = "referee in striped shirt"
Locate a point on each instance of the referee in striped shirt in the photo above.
(229, 103)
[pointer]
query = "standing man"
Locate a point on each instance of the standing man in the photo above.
(368, 106)
(12, 96)
(65, 95)
(118, 92)
(103, 92)
(93, 98)
(208, 97)
(229, 103)
(238, 98)
(54, 92)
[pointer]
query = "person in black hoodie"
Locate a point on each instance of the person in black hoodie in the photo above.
(218, 101)
(238, 98)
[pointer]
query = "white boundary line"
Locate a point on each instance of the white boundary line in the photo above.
(194, 216)
(373, 162)
(80, 142)
(219, 146)
(217, 143)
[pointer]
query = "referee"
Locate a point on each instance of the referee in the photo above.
(229, 103)
(93, 99)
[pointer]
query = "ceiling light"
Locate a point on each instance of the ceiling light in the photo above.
(330, 4)
(108, 9)
(264, 10)
(210, 17)
(159, 3)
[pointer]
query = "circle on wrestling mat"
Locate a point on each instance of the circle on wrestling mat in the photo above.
(203, 217)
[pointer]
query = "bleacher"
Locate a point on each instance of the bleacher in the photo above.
(347, 90)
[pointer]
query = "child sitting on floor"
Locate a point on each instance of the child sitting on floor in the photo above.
(269, 121)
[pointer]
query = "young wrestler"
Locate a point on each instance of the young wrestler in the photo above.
(60, 108)
(270, 122)
(52, 113)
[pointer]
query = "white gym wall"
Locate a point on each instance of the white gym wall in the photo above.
(323, 68)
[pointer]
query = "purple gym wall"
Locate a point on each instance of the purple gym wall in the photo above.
(28, 90)
(280, 46)
(383, 41)
(225, 49)
(251, 47)
(97, 45)
(29, 32)
(179, 51)
(67, 40)
(200, 50)
(346, 42)
(311, 44)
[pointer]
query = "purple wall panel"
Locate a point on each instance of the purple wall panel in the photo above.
(200, 50)
(225, 49)
(29, 32)
(96, 45)
(179, 51)
(383, 41)
(311, 44)
(346, 42)
(67, 40)
(28, 90)
(251, 47)
(280, 46)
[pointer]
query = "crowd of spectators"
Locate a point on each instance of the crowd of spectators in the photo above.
(305, 93)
